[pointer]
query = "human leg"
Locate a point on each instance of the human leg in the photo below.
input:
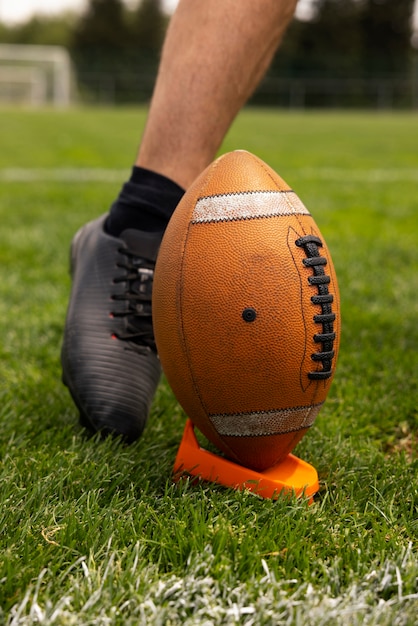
(214, 56)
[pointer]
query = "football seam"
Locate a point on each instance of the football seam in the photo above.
(320, 280)
(291, 234)
(183, 333)
(269, 172)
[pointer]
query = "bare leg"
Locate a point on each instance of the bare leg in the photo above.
(215, 54)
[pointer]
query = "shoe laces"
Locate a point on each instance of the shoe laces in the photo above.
(138, 277)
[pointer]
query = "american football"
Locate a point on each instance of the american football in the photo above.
(246, 311)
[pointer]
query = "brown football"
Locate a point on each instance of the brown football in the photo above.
(246, 310)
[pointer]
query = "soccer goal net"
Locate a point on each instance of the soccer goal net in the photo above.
(35, 75)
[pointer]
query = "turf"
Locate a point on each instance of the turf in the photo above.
(94, 532)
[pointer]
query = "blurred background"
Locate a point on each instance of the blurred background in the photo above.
(336, 54)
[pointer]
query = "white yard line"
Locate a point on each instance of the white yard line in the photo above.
(380, 175)
(63, 175)
(87, 175)
(199, 599)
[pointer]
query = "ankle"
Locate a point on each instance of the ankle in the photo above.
(146, 202)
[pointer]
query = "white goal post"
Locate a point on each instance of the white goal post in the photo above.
(23, 84)
(53, 62)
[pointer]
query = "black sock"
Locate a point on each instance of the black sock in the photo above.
(146, 202)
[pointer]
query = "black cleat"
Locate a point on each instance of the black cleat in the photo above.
(109, 358)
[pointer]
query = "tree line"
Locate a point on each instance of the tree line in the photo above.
(343, 39)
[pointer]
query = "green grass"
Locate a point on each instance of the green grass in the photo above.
(94, 532)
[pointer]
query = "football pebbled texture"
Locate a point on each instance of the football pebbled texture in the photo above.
(246, 311)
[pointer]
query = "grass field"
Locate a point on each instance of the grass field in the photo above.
(94, 532)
